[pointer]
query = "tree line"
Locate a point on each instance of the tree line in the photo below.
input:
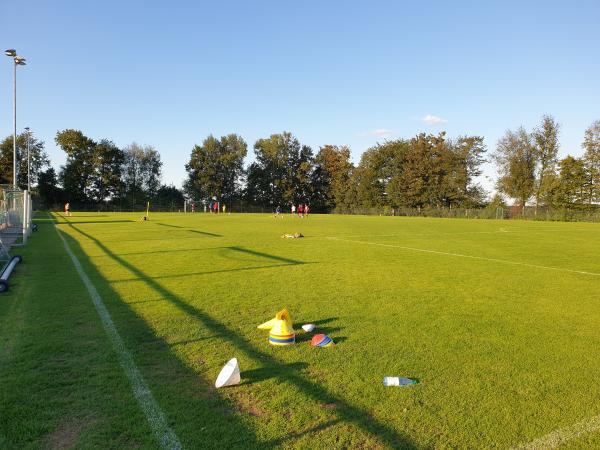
(427, 171)
(96, 174)
(529, 168)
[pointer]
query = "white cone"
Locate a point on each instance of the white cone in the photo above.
(308, 327)
(230, 374)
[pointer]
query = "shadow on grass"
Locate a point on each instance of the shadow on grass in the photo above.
(266, 373)
(289, 374)
(204, 233)
(146, 301)
(324, 321)
(147, 239)
(177, 250)
(191, 341)
(283, 262)
(46, 220)
(286, 261)
(82, 222)
(290, 437)
(167, 225)
(196, 411)
(195, 274)
(89, 215)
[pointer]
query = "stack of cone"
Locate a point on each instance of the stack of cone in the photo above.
(281, 330)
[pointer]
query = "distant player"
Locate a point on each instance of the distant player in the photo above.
(216, 206)
(67, 209)
(300, 210)
(224, 208)
(193, 207)
(306, 210)
(293, 209)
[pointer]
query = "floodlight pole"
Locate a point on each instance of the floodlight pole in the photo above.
(15, 124)
(28, 159)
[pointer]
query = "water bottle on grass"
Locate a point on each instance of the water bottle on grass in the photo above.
(398, 381)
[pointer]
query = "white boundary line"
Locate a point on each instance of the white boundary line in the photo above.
(418, 235)
(558, 437)
(460, 255)
(156, 418)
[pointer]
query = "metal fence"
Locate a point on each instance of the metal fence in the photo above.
(451, 213)
(589, 214)
(15, 219)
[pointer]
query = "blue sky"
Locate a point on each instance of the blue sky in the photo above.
(331, 72)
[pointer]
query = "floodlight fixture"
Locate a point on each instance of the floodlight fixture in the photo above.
(10, 52)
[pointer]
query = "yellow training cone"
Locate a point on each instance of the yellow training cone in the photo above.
(282, 330)
(267, 325)
(281, 315)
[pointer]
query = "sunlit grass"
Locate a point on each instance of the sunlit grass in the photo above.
(504, 345)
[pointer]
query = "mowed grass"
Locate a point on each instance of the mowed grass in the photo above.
(498, 320)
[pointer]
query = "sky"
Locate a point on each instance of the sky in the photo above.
(168, 74)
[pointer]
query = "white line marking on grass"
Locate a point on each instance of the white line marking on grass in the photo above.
(156, 418)
(562, 435)
(450, 233)
(416, 235)
(460, 255)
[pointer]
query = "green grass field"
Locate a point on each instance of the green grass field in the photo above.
(498, 320)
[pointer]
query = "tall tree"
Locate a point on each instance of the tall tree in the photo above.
(258, 188)
(141, 173)
(424, 165)
(466, 158)
(516, 160)
(331, 176)
(169, 196)
(545, 141)
(281, 173)
(152, 170)
(108, 165)
(47, 187)
(388, 168)
(373, 179)
(496, 202)
(216, 168)
(38, 159)
(133, 172)
(77, 175)
(571, 186)
(425, 171)
(591, 145)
